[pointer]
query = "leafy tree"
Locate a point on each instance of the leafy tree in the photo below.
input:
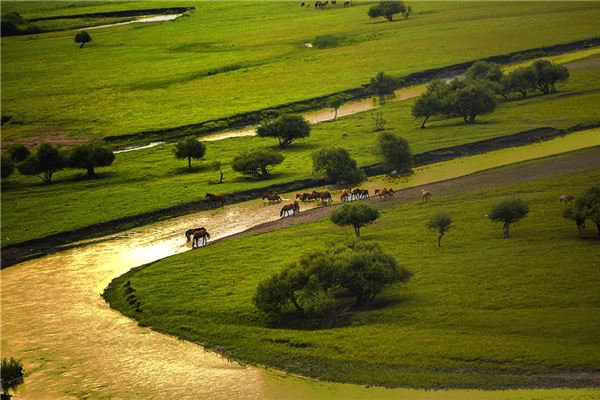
(189, 148)
(216, 166)
(18, 152)
(548, 74)
(471, 100)
(521, 80)
(432, 102)
(275, 294)
(286, 129)
(336, 102)
(82, 37)
(355, 214)
(337, 164)
(256, 162)
(509, 212)
(44, 163)
(440, 222)
(484, 71)
(589, 205)
(7, 167)
(387, 9)
(395, 151)
(11, 375)
(90, 156)
(382, 86)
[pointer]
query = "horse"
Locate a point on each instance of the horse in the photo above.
(201, 234)
(345, 195)
(384, 193)
(272, 198)
(294, 208)
(303, 196)
(425, 195)
(324, 196)
(566, 198)
(190, 232)
(216, 198)
(364, 194)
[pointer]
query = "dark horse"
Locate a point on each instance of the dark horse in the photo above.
(190, 232)
(272, 198)
(325, 196)
(215, 198)
(201, 234)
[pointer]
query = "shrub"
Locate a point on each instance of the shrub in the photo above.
(395, 152)
(509, 212)
(355, 214)
(337, 164)
(256, 162)
(327, 41)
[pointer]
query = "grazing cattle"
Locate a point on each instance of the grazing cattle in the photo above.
(190, 232)
(566, 198)
(215, 198)
(425, 195)
(272, 198)
(199, 235)
(290, 208)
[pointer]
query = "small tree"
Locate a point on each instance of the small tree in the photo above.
(378, 122)
(90, 156)
(11, 375)
(18, 152)
(471, 100)
(395, 152)
(548, 74)
(509, 212)
(355, 214)
(382, 86)
(256, 162)
(216, 166)
(189, 148)
(82, 37)
(589, 205)
(286, 129)
(387, 9)
(44, 163)
(337, 164)
(336, 102)
(440, 222)
(431, 102)
(7, 168)
(408, 12)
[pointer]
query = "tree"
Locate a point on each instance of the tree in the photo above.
(18, 152)
(216, 166)
(521, 80)
(286, 129)
(7, 167)
(11, 375)
(576, 214)
(355, 214)
(548, 74)
(432, 102)
(395, 151)
(471, 100)
(589, 205)
(189, 148)
(408, 12)
(378, 122)
(387, 9)
(90, 156)
(44, 163)
(336, 102)
(440, 222)
(337, 164)
(382, 86)
(11, 22)
(484, 71)
(256, 162)
(509, 212)
(82, 37)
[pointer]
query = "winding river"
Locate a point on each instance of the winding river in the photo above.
(74, 346)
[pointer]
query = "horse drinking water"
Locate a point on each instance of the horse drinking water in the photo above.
(200, 235)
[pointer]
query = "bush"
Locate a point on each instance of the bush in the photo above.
(90, 156)
(189, 148)
(327, 41)
(18, 152)
(337, 164)
(286, 129)
(7, 166)
(44, 163)
(395, 152)
(256, 162)
(509, 212)
(355, 214)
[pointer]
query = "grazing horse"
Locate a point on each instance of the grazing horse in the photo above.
(324, 196)
(190, 232)
(384, 193)
(215, 198)
(345, 195)
(201, 234)
(272, 198)
(566, 198)
(293, 208)
(425, 195)
(303, 196)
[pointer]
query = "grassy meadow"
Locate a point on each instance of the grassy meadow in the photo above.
(480, 312)
(152, 179)
(150, 76)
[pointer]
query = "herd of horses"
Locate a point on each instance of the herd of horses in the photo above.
(324, 4)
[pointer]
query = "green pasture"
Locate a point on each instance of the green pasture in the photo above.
(481, 312)
(232, 57)
(152, 179)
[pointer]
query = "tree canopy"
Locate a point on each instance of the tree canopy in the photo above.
(256, 162)
(337, 164)
(356, 215)
(44, 163)
(7, 167)
(382, 86)
(90, 156)
(549, 74)
(388, 9)
(286, 129)
(440, 223)
(18, 152)
(189, 148)
(82, 37)
(395, 151)
(509, 212)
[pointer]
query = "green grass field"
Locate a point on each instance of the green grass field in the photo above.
(134, 78)
(152, 179)
(480, 312)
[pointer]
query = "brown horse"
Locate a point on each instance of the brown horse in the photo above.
(384, 193)
(201, 234)
(293, 208)
(425, 195)
(216, 198)
(346, 195)
(324, 196)
(190, 232)
(566, 198)
(303, 196)
(272, 198)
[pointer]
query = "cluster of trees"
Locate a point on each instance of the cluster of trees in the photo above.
(586, 206)
(312, 285)
(476, 93)
(388, 9)
(48, 159)
(14, 24)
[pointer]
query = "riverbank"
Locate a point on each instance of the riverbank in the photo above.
(469, 318)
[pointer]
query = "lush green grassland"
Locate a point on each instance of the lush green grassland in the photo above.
(480, 312)
(151, 179)
(135, 78)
